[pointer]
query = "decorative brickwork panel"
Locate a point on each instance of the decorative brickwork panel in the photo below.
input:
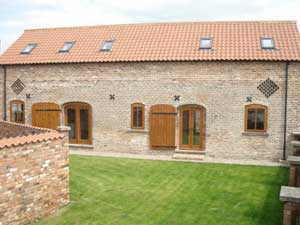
(268, 87)
(18, 86)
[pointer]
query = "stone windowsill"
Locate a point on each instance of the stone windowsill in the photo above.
(260, 134)
(138, 131)
(81, 146)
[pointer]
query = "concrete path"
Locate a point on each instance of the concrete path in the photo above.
(169, 158)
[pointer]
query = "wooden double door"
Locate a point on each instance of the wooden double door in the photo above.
(79, 118)
(163, 127)
(191, 127)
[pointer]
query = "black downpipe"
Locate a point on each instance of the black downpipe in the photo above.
(4, 94)
(285, 108)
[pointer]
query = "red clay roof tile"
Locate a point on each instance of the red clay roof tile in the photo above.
(13, 134)
(159, 42)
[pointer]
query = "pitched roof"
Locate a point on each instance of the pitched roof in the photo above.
(159, 42)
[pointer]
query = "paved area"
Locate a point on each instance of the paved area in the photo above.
(169, 158)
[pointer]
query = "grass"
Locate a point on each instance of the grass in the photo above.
(115, 191)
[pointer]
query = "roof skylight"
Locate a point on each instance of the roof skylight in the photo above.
(67, 46)
(267, 43)
(28, 49)
(107, 46)
(205, 43)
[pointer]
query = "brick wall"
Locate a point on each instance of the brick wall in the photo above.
(293, 120)
(1, 92)
(34, 180)
(291, 213)
(221, 87)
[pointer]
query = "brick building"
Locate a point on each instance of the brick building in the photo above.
(223, 89)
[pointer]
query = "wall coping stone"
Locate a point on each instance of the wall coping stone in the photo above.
(293, 159)
(290, 194)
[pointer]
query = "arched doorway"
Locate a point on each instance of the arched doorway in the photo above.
(78, 116)
(191, 127)
(46, 115)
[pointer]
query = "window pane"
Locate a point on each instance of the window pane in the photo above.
(134, 117)
(84, 124)
(205, 43)
(185, 127)
(28, 48)
(14, 107)
(22, 117)
(260, 119)
(196, 131)
(17, 112)
(13, 117)
(19, 107)
(107, 46)
(71, 123)
(140, 117)
(267, 43)
(251, 119)
(19, 117)
(67, 46)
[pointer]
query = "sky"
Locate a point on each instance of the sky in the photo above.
(17, 15)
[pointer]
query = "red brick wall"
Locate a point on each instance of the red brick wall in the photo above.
(291, 213)
(294, 179)
(34, 180)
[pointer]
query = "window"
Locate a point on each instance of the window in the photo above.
(78, 117)
(267, 43)
(205, 43)
(137, 116)
(107, 46)
(67, 46)
(28, 49)
(17, 111)
(256, 118)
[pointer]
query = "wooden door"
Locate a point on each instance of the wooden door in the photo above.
(162, 127)
(191, 128)
(78, 117)
(46, 115)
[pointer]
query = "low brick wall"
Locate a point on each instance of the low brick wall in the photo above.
(291, 213)
(34, 176)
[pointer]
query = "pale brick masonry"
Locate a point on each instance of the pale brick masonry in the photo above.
(221, 87)
(34, 174)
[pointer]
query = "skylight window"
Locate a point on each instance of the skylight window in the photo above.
(67, 46)
(267, 43)
(205, 43)
(28, 49)
(107, 46)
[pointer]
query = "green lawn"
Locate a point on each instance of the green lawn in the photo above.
(138, 192)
